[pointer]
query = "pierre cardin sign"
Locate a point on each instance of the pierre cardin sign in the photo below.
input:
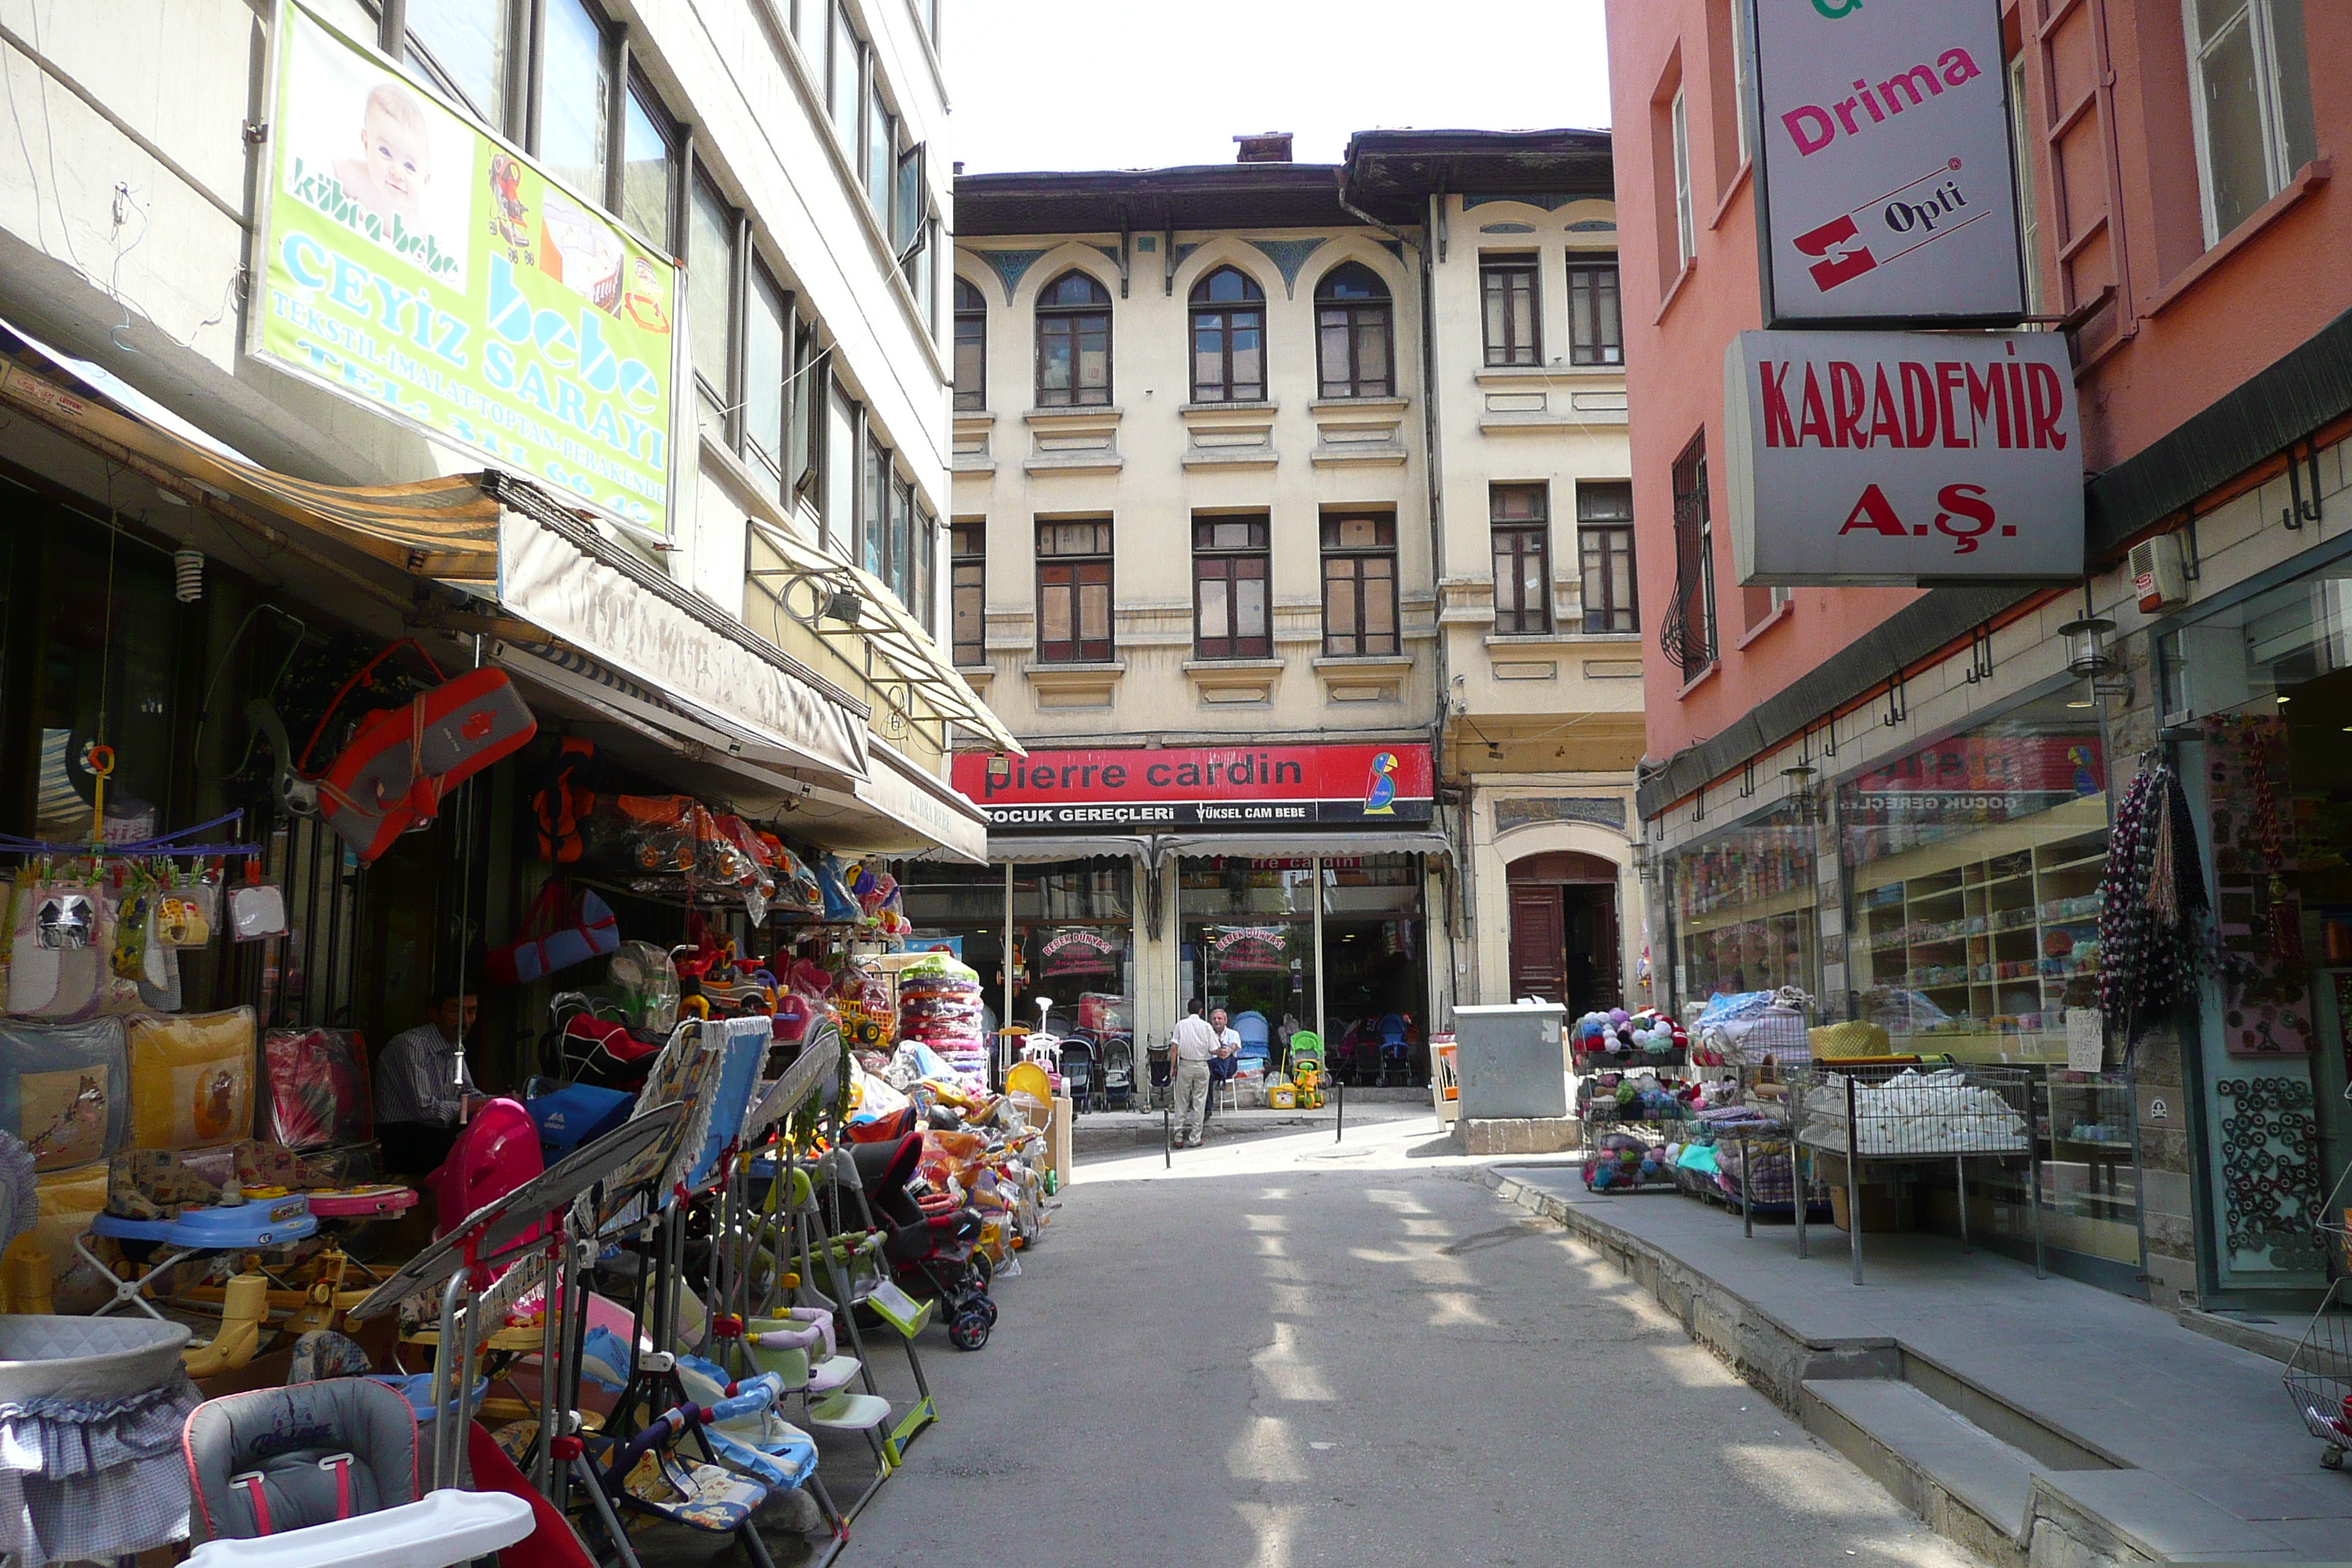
(1186, 786)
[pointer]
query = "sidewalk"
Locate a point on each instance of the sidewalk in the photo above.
(2039, 1422)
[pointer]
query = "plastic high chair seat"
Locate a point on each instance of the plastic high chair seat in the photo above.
(326, 1472)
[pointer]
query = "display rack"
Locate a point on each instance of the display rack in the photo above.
(1979, 951)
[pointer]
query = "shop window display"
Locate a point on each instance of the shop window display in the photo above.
(1072, 941)
(1744, 909)
(1973, 866)
(2264, 687)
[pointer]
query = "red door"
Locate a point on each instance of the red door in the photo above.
(1538, 943)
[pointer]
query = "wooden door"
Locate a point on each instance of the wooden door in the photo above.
(1538, 943)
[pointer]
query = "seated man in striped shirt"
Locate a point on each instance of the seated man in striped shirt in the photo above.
(424, 1088)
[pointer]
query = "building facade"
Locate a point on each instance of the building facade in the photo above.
(602, 344)
(1902, 799)
(1309, 481)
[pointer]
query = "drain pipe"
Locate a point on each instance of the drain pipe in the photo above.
(1434, 474)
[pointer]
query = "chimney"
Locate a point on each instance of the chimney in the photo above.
(1266, 147)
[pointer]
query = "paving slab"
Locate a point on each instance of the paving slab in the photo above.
(2213, 1458)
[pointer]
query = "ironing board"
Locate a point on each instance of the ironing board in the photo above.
(499, 1231)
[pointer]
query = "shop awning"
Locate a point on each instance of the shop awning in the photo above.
(1299, 846)
(445, 528)
(560, 574)
(809, 581)
(894, 810)
(1038, 849)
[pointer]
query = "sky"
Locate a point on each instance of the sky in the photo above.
(1127, 84)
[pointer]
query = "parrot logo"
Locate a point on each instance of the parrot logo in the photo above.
(1380, 795)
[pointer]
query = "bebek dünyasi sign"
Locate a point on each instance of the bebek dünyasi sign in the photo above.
(1885, 196)
(1903, 457)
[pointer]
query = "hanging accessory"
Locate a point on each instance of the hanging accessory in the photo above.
(564, 926)
(402, 760)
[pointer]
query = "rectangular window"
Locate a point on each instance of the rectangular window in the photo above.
(874, 517)
(648, 166)
(1073, 590)
(1596, 328)
(2029, 218)
(2249, 89)
(811, 19)
(902, 542)
(1360, 585)
(844, 78)
(710, 297)
(1519, 519)
(924, 556)
(805, 441)
(1604, 548)
(971, 346)
(1685, 227)
(910, 208)
(881, 155)
(1231, 618)
(1688, 637)
(766, 340)
(839, 492)
(1510, 288)
(464, 49)
(575, 97)
(968, 591)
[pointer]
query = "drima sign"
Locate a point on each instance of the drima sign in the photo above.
(415, 263)
(1886, 191)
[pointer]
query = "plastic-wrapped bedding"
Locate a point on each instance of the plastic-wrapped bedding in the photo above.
(90, 1412)
(1915, 1113)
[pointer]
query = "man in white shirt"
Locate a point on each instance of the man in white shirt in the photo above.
(1194, 1042)
(423, 1087)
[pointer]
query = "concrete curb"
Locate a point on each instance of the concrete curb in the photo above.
(2056, 1531)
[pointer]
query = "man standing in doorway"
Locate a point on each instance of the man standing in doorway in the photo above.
(1194, 1043)
(422, 1088)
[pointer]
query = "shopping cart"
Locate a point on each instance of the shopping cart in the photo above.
(2319, 1373)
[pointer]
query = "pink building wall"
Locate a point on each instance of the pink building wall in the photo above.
(2184, 325)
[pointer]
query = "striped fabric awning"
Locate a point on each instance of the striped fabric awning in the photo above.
(443, 528)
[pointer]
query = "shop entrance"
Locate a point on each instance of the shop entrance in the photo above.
(1565, 944)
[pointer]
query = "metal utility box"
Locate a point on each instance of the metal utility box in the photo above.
(1507, 1061)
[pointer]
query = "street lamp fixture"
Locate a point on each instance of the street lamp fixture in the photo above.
(2087, 647)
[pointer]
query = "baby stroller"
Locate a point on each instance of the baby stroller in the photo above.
(1119, 1075)
(929, 1249)
(1080, 1080)
(598, 1050)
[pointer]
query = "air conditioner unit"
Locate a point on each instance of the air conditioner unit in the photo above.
(2159, 573)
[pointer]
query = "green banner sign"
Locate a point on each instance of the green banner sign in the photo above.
(418, 265)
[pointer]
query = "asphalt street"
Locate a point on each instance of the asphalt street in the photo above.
(1291, 1354)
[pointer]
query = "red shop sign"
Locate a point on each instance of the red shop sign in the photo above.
(1243, 786)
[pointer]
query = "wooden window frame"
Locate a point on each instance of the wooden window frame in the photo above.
(1071, 319)
(1352, 317)
(968, 552)
(1231, 565)
(1225, 389)
(1517, 540)
(1690, 631)
(1072, 574)
(976, 317)
(1356, 557)
(1587, 272)
(1514, 349)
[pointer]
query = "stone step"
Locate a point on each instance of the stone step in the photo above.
(1930, 1457)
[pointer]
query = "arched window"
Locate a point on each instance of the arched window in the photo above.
(971, 346)
(1072, 343)
(1353, 334)
(1228, 338)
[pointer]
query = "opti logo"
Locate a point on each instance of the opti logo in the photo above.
(1836, 9)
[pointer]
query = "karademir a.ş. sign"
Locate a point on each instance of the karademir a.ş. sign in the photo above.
(1903, 457)
(1221, 786)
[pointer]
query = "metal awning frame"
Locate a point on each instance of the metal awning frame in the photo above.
(808, 584)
